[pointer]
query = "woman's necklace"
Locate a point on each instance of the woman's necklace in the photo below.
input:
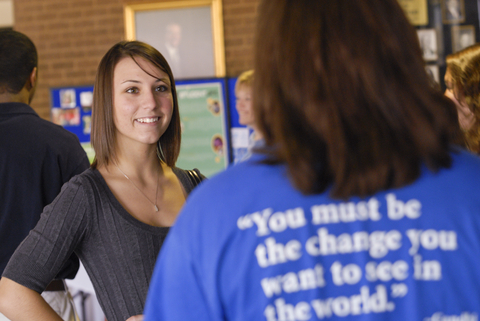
(156, 193)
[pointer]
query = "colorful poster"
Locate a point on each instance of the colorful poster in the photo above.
(203, 118)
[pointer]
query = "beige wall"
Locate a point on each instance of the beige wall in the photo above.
(72, 36)
(6, 13)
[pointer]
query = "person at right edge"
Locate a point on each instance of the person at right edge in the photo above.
(358, 208)
(36, 158)
(463, 88)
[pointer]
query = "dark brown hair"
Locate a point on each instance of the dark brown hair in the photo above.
(342, 96)
(103, 128)
(19, 57)
(464, 68)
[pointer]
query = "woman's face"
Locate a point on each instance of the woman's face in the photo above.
(142, 104)
(244, 105)
(465, 116)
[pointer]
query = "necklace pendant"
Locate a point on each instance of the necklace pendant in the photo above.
(156, 208)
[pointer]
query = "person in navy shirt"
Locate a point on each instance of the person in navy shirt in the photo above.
(36, 158)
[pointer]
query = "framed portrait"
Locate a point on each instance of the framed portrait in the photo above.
(453, 11)
(428, 43)
(189, 34)
(416, 11)
(462, 37)
(433, 72)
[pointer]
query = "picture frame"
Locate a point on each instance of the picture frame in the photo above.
(416, 11)
(433, 72)
(462, 37)
(453, 11)
(192, 40)
(428, 43)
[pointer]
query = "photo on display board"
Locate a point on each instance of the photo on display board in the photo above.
(68, 98)
(453, 11)
(86, 100)
(428, 43)
(188, 34)
(462, 37)
(66, 116)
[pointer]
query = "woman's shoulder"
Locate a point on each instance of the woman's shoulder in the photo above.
(189, 178)
(88, 175)
(88, 180)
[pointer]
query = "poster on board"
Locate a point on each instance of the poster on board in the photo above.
(204, 121)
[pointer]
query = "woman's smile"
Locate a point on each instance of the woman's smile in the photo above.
(147, 120)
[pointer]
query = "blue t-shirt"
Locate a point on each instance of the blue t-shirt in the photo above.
(248, 246)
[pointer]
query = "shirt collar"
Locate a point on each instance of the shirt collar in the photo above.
(16, 108)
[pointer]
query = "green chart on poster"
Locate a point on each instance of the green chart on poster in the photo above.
(202, 118)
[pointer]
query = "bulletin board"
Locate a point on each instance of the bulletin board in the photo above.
(71, 108)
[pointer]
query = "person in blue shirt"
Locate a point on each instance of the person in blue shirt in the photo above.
(359, 207)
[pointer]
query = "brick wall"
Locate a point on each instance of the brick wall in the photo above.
(72, 36)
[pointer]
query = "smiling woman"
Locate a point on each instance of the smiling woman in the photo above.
(116, 215)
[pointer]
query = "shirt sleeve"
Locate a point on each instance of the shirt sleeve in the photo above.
(61, 227)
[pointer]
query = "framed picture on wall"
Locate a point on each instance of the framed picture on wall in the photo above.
(428, 43)
(453, 11)
(433, 72)
(189, 34)
(416, 11)
(462, 37)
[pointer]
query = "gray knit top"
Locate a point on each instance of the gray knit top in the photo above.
(117, 250)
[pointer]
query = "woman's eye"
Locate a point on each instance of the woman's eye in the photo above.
(132, 90)
(162, 88)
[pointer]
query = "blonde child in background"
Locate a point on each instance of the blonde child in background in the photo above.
(244, 106)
